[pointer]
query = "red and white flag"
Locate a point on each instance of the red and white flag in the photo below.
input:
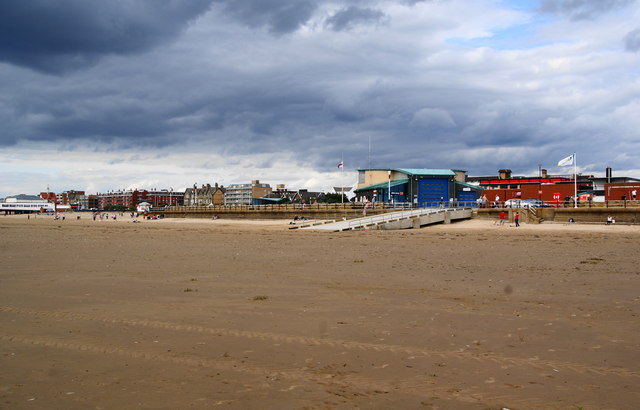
(341, 164)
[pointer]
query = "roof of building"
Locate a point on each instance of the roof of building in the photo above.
(614, 180)
(24, 197)
(304, 194)
(464, 184)
(385, 184)
(416, 171)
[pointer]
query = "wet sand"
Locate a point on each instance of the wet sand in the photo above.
(177, 314)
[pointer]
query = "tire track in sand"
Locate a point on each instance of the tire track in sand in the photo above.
(501, 360)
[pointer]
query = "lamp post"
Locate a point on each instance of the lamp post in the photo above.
(389, 196)
(170, 192)
(540, 182)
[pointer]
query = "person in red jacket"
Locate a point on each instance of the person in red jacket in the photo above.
(516, 219)
(502, 215)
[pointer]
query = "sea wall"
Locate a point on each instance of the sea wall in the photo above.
(579, 215)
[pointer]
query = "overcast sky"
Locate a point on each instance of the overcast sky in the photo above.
(124, 94)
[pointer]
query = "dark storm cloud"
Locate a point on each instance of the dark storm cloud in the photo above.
(632, 41)
(279, 16)
(582, 9)
(59, 36)
(245, 79)
(352, 16)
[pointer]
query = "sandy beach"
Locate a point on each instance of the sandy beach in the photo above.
(200, 314)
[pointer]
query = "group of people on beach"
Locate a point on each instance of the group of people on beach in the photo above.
(516, 219)
(297, 219)
(106, 216)
(503, 215)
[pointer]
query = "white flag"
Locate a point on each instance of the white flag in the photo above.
(566, 161)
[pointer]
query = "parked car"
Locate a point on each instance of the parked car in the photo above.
(516, 203)
(536, 203)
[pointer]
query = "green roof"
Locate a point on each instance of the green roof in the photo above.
(271, 199)
(470, 185)
(421, 171)
(416, 171)
(394, 182)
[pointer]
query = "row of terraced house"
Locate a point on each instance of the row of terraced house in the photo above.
(251, 193)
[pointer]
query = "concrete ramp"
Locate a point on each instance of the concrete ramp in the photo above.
(407, 219)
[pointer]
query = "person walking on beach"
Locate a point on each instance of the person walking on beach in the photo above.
(502, 215)
(516, 219)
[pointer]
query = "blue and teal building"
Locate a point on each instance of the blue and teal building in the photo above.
(420, 187)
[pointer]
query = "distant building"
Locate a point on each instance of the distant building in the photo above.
(544, 187)
(219, 195)
(421, 187)
(282, 194)
(610, 187)
(131, 198)
(246, 194)
(76, 200)
(622, 191)
(119, 199)
(554, 188)
(202, 196)
(49, 197)
(310, 197)
(164, 197)
(26, 204)
(92, 202)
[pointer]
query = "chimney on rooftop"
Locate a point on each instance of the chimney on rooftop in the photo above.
(543, 173)
(504, 173)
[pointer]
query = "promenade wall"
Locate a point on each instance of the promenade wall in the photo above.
(595, 214)
(629, 215)
(287, 211)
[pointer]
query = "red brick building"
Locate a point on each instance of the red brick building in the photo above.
(548, 188)
(622, 191)
(131, 198)
(50, 197)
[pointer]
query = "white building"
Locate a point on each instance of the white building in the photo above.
(245, 194)
(26, 203)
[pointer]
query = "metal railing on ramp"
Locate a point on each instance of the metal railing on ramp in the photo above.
(376, 221)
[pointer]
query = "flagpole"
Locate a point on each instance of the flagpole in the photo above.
(575, 181)
(369, 151)
(342, 181)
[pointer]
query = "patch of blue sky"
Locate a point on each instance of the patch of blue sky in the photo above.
(520, 37)
(521, 5)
